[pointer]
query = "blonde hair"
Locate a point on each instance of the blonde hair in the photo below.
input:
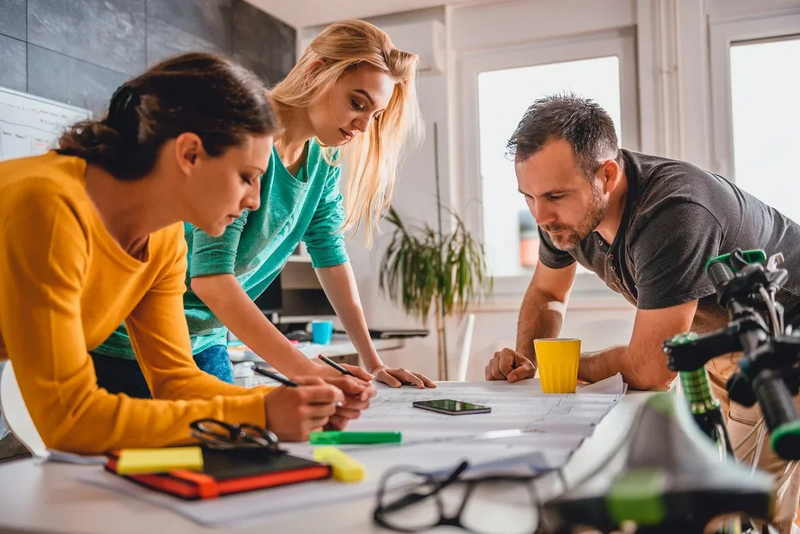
(375, 155)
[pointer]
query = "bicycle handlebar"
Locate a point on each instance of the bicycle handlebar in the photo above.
(780, 413)
(720, 274)
(768, 384)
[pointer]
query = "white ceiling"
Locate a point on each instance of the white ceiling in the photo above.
(303, 13)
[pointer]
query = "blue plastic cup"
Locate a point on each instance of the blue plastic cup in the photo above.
(321, 332)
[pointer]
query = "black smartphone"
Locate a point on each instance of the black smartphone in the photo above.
(451, 407)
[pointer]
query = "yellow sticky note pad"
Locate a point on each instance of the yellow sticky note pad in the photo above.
(345, 469)
(134, 461)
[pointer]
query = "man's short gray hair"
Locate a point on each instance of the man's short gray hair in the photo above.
(579, 121)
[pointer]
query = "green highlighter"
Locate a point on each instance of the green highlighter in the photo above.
(337, 437)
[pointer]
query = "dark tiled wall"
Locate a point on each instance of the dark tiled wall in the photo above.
(80, 51)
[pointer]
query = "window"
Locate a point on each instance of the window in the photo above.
(765, 84)
(755, 80)
(509, 231)
(497, 86)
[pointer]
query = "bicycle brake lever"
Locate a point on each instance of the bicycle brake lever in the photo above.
(775, 260)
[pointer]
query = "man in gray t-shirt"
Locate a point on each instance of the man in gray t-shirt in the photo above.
(646, 226)
(676, 217)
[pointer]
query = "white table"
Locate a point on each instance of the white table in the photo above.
(37, 497)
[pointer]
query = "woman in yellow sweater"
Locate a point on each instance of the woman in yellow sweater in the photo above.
(91, 235)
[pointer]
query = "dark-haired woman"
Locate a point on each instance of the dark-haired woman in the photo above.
(91, 235)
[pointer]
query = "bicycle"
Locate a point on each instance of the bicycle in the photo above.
(768, 370)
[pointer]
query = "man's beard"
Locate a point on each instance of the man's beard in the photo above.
(570, 237)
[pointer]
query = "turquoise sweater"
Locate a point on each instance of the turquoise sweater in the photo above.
(255, 247)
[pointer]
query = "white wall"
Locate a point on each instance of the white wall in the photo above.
(415, 200)
(486, 26)
(727, 9)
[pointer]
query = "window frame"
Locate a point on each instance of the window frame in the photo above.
(620, 43)
(723, 34)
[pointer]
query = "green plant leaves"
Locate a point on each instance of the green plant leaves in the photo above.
(419, 267)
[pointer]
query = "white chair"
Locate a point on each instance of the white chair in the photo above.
(16, 413)
(458, 351)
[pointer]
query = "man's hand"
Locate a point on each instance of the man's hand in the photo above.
(293, 413)
(357, 394)
(510, 365)
(396, 377)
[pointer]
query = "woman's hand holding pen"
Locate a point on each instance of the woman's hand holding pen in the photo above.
(292, 413)
(357, 395)
(355, 383)
(326, 371)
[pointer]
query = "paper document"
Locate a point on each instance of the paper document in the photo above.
(514, 406)
(612, 385)
(535, 432)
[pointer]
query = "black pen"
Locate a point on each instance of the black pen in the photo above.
(275, 376)
(336, 366)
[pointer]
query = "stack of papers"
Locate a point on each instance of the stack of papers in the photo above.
(542, 432)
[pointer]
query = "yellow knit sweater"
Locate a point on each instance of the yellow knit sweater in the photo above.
(65, 285)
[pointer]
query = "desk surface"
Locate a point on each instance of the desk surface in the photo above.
(339, 346)
(44, 497)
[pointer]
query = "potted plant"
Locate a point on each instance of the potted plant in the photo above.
(424, 268)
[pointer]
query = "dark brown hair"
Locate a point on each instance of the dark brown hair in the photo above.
(580, 121)
(209, 95)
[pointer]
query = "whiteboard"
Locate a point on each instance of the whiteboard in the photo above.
(31, 125)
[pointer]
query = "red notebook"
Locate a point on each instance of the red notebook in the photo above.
(230, 471)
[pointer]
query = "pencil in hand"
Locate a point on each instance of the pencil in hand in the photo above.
(336, 366)
(274, 376)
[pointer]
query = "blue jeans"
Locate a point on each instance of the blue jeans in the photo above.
(216, 362)
(120, 375)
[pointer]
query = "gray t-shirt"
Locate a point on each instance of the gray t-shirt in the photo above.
(677, 217)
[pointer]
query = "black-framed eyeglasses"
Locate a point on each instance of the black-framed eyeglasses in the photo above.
(219, 435)
(424, 499)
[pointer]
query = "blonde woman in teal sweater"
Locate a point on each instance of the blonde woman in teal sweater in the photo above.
(350, 98)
